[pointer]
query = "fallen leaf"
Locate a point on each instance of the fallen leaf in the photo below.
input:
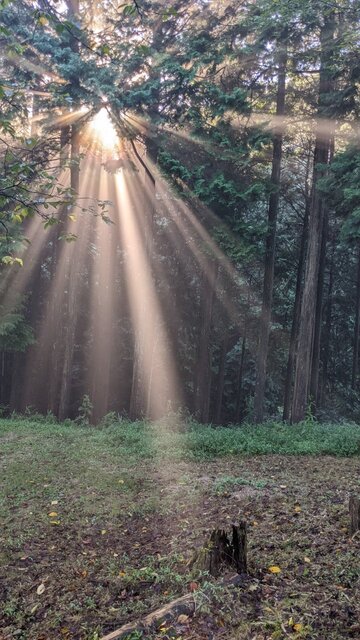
(54, 502)
(52, 514)
(193, 586)
(57, 522)
(306, 559)
(182, 619)
(297, 626)
(40, 589)
(103, 531)
(122, 574)
(274, 569)
(297, 508)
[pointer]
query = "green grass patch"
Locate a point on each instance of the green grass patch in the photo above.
(91, 447)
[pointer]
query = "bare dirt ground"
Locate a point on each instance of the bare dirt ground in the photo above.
(82, 554)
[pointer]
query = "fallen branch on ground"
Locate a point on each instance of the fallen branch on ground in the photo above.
(186, 605)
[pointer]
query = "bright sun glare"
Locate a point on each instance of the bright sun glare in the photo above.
(104, 130)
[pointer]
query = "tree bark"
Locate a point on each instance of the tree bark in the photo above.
(145, 334)
(265, 319)
(72, 290)
(239, 386)
(315, 365)
(296, 317)
(355, 358)
(321, 158)
(202, 384)
(221, 378)
(354, 509)
(327, 333)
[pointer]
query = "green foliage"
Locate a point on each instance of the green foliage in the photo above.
(85, 410)
(342, 191)
(141, 440)
(15, 333)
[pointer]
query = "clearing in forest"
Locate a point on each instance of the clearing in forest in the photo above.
(98, 526)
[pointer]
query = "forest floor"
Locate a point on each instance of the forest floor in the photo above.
(98, 526)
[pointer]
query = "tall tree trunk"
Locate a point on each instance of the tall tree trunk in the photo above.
(327, 332)
(221, 378)
(239, 385)
(265, 319)
(203, 365)
(296, 316)
(355, 358)
(315, 365)
(72, 289)
(143, 367)
(315, 361)
(321, 159)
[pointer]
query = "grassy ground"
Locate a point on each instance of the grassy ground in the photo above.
(98, 525)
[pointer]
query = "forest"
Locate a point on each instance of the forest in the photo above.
(231, 130)
(179, 319)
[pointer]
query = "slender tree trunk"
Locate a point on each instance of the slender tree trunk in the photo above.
(296, 316)
(72, 290)
(221, 378)
(315, 362)
(239, 385)
(143, 368)
(321, 158)
(315, 365)
(355, 359)
(327, 333)
(265, 319)
(203, 365)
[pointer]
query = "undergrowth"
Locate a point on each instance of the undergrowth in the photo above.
(190, 440)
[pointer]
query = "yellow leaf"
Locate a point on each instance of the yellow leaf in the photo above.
(306, 559)
(43, 21)
(297, 626)
(40, 589)
(52, 514)
(274, 569)
(54, 521)
(122, 574)
(54, 502)
(103, 531)
(297, 508)
(182, 619)
(121, 481)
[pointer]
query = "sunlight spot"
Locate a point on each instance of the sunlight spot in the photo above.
(104, 130)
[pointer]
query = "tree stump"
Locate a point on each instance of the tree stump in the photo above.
(354, 509)
(221, 552)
